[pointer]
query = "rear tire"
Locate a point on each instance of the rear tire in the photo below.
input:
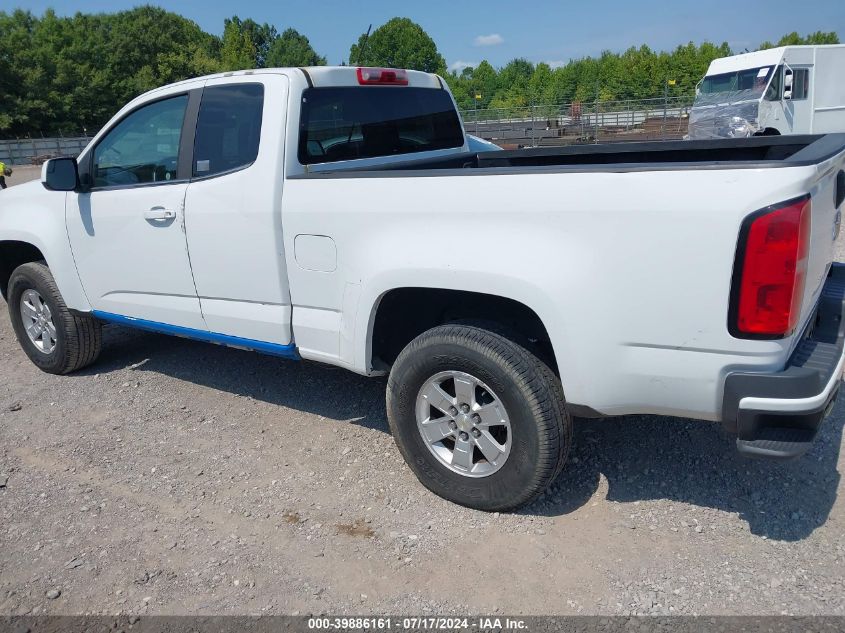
(56, 340)
(530, 424)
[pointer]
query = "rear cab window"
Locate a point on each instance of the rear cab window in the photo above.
(346, 123)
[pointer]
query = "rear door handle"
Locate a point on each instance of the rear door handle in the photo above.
(159, 213)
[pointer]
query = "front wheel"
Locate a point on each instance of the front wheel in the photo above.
(479, 419)
(56, 340)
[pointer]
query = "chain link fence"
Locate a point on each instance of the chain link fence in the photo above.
(581, 122)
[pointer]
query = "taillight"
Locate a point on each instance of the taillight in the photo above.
(382, 77)
(770, 270)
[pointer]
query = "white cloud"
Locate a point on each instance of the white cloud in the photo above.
(494, 39)
(458, 66)
(556, 64)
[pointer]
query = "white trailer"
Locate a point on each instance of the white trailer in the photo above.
(785, 90)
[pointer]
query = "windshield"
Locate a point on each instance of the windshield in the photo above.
(751, 79)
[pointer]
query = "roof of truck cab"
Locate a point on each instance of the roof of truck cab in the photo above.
(758, 59)
(319, 76)
(339, 76)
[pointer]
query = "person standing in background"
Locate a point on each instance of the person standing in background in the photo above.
(4, 171)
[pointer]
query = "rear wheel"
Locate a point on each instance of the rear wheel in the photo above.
(56, 340)
(479, 419)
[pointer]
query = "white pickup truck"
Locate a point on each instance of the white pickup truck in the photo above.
(338, 215)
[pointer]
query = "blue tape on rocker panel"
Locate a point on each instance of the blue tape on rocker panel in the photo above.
(286, 351)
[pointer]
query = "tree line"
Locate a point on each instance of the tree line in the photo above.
(61, 75)
(66, 74)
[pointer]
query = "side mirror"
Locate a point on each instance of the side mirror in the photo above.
(60, 174)
(787, 85)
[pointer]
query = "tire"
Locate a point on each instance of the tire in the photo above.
(78, 338)
(540, 428)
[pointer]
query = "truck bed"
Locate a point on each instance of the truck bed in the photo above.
(755, 152)
(628, 250)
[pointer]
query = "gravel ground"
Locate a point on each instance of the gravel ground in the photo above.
(176, 477)
(22, 173)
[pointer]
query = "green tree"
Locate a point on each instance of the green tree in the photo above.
(63, 74)
(293, 49)
(139, 41)
(513, 84)
(540, 85)
(637, 73)
(399, 43)
(820, 38)
(481, 81)
(238, 50)
(794, 39)
(24, 86)
(485, 81)
(564, 84)
(262, 36)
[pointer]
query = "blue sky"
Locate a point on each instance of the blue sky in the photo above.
(467, 31)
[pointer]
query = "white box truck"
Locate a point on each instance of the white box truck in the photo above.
(785, 90)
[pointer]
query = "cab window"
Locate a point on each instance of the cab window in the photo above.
(800, 83)
(143, 148)
(228, 128)
(773, 93)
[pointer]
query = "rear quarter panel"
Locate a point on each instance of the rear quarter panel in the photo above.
(629, 271)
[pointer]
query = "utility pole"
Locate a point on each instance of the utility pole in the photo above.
(476, 100)
(669, 82)
(531, 110)
(596, 114)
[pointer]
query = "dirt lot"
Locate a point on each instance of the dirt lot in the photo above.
(177, 477)
(23, 173)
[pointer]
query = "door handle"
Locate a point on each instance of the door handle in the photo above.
(159, 213)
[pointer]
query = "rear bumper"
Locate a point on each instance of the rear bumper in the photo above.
(778, 415)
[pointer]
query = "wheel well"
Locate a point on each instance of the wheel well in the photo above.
(405, 313)
(12, 255)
